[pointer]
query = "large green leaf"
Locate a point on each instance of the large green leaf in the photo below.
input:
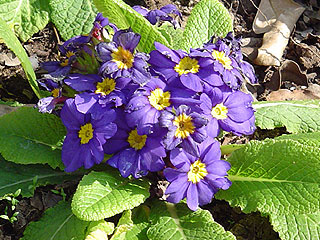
(208, 18)
(27, 136)
(73, 17)
(124, 17)
(57, 223)
(16, 176)
(13, 43)
(280, 178)
(104, 194)
(296, 116)
(26, 17)
(99, 230)
(133, 225)
(175, 222)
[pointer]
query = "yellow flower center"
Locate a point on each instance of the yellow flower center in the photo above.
(55, 92)
(222, 58)
(184, 126)
(197, 171)
(135, 140)
(69, 54)
(66, 62)
(159, 99)
(219, 111)
(187, 65)
(85, 133)
(123, 58)
(106, 86)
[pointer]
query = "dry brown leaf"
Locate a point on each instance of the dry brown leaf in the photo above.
(312, 92)
(276, 19)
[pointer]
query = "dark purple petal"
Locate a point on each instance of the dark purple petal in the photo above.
(81, 82)
(206, 193)
(192, 197)
(126, 39)
(71, 117)
(191, 81)
(143, 11)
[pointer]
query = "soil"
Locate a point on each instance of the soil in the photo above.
(303, 49)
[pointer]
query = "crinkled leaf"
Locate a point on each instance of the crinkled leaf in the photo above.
(73, 17)
(27, 137)
(124, 17)
(280, 178)
(57, 223)
(16, 176)
(13, 44)
(133, 225)
(104, 194)
(208, 18)
(26, 17)
(99, 230)
(171, 222)
(172, 35)
(296, 116)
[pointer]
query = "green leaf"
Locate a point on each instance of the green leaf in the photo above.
(172, 35)
(26, 17)
(104, 194)
(280, 178)
(73, 17)
(208, 18)
(13, 43)
(16, 176)
(57, 223)
(133, 225)
(173, 222)
(124, 17)
(99, 230)
(27, 137)
(296, 116)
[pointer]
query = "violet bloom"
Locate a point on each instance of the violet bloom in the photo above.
(231, 111)
(119, 59)
(85, 136)
(177, 66)
(133, 153)
(47, 104)
(96, 89)
(155, 16)
(98, 30)
(247, 69)
(221, 61)
(60, 69)
(185, 127)
(197, 178)
(149, 101)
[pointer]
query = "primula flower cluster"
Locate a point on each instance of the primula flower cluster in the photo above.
(150, 112)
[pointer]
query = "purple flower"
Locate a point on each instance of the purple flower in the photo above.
(98, 31)
(155, 16)
(197, 178)
(135, 154)
(47, 104)
(177, 66)
(149, 101)
(59, 69)
(221, 61)
(74, 44)
(119, 59)
(247, 69)
(185, 127)
(96, 89)
(85, 136)
(232, 111)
